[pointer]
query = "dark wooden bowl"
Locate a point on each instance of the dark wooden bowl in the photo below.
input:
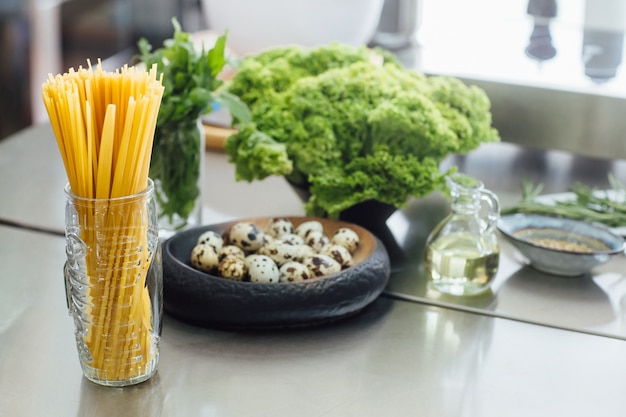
(208, 300)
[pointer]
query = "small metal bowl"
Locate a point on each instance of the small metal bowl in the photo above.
(560, 246)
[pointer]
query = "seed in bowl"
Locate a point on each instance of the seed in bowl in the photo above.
(563, 245)
(557, 239)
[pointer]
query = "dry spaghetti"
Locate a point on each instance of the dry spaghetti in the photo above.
(104, 124)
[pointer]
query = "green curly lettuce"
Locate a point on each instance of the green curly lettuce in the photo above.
(352, 128)
(466, 109)
(276, 69)
(258, 155)
(368, 178)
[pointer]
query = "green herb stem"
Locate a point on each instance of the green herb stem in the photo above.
(587, 203)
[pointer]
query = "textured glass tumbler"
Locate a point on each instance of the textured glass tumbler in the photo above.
(114, 285)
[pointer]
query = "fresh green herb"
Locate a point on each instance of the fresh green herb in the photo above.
(352, 125)
(587, 203)
(190, 79)
(175, 170)
(189, 75)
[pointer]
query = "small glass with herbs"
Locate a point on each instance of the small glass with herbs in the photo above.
(177, 168)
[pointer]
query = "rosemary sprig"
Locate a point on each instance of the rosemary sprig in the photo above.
(588, 203)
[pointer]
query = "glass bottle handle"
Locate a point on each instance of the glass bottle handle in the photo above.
(494, 208)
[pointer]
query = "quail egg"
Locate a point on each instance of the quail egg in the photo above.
(339, 253)
(316, 239)
(262, 268)
(278, 227)
(307, 227)
(321, 265)
(292, 238)
(280, 251)
(294, 272)
(232, 267)
(346, 237)
(304, 251)
(247, 236)
(211, 238)
(230, 250)
(204, 258)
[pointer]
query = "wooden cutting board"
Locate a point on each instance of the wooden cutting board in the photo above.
(216, 136)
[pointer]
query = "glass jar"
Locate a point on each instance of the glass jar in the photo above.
(114, 285)
(177, 169)
(462, 251)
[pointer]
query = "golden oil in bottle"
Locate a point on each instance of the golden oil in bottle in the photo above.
(462, 251)
(462, 264)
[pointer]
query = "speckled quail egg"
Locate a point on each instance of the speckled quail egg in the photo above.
(304, 251)
(211, 238)
(304, 228)
(292, 238)
(262, 268)
(268, 238)
(339, 253)
(247, 236)
(279, 226)
(347, 238)
(204, 258)
(249, 258)
(230, 250)
(316, 239)
(294, 272)
(232, 267)
(280, 251)
(321, 265)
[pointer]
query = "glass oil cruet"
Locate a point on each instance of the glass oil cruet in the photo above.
(462, 251)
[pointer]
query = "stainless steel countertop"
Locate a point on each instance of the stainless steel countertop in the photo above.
(395, 359)
(407, 353)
